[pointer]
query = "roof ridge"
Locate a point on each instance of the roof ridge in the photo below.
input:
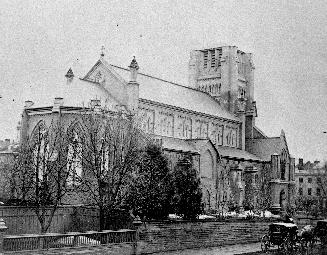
(266, 138)
(160, 79)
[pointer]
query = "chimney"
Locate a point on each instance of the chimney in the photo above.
(69, 75)
(95, 103)
(300, 166)
(58, 102)
(28, 104)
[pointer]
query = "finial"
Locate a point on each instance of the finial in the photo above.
(134, 64)
(102, 51)
(133, 68)
(69, 73)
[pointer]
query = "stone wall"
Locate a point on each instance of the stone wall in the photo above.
(169, 236)
(155, 237)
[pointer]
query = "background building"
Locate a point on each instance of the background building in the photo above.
(212, 119)
(310, 178)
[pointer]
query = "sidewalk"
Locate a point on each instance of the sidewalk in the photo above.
(222, 250)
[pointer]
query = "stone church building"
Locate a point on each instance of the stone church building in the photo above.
(211, 119)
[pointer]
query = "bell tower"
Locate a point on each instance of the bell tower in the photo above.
(227, 74)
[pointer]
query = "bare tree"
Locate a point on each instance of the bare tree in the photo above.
(41, 171)
(7, 170)
(110, 155)
(263, 191)
(222, 184)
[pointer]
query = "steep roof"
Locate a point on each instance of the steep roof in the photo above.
(229, 152)
(265, 147)
(176, 144)
(78, 93)
(169, 93)
(195, 145)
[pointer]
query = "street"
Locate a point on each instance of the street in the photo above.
(223, 250)
(239, 249)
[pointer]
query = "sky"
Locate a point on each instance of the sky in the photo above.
(40, 40)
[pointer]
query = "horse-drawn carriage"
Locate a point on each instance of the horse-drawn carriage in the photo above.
(288, 239)
(283, 235)
(320, 232)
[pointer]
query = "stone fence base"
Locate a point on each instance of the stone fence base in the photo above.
(157, 237)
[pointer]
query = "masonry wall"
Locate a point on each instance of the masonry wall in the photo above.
(155, 237)
(169, 236)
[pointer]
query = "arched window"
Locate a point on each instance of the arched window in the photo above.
(283, 160)
(40, 146)
(75, 153)
(207, 165)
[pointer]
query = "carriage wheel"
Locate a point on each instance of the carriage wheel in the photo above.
(312, 242)
(323, 240)
(304, 246)
(287, 246)
(265, 243)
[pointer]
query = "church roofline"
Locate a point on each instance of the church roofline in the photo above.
(260, 131)
(160, 79)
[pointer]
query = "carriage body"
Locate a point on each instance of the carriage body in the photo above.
(280, 232)
(283, 235)
(320, 231)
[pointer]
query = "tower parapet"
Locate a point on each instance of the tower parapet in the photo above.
(225, 73)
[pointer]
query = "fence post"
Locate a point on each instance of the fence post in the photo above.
(137, 223)
(3, 229)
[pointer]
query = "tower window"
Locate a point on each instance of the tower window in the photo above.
(213, 58)
(309, 191)
(241, 93)
(220, 52)
(205, 59)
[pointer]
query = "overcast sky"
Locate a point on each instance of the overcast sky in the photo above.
(40, 40)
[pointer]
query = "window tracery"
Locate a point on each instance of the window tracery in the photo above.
(166, 124)
(230, 135)
(201, 130)
(75, 154)
(283, 160)
(184, 127)
(147, 120)
(217, 134)
(40, 149)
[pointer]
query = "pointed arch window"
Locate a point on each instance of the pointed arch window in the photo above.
(207, 165)
(40, 151)
(283, 161)
(75, 154)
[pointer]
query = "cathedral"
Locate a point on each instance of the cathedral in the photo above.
(211, 119)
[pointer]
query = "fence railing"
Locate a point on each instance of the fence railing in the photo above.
(72, 239)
